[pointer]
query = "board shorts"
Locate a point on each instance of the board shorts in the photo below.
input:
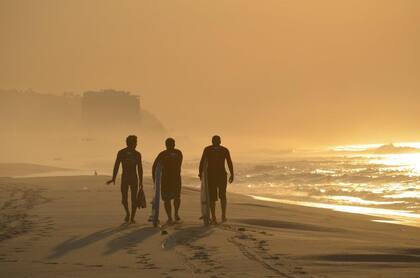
(133, 184)
(170, 188)
(217, 183)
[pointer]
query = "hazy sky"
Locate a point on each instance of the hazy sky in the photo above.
(294, 72)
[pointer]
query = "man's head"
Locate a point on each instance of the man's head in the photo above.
(131, 141)
(216, 140)
(170, 143)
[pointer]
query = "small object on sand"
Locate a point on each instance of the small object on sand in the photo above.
(241, 229)
(163, 232)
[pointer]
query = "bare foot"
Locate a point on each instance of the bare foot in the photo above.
(127, 217)
(177, 218)
(224, 219)
(132, 221)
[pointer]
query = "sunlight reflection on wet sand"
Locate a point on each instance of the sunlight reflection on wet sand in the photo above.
(403, 217)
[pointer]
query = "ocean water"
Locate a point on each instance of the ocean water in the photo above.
(381, 185)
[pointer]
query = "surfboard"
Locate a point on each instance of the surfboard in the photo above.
(156, 198)
(205, 197)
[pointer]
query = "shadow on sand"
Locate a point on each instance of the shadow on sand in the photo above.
(186, 235)
(129, 239)
(286, 225)
(77, 242)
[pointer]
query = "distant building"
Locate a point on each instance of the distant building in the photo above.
(110, 107)
(94, 111)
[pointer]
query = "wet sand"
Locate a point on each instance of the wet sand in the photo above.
(72, 227)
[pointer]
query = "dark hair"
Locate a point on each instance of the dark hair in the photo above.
(170, 143)
(131, 140)
(216, 140)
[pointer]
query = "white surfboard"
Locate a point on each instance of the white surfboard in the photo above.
(205, 197)
(156, 198)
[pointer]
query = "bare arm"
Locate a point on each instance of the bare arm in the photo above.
(180, 161)
(155, 163)
(116, 168)
(230, 166)
(140, 171)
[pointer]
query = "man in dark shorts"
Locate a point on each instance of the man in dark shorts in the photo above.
(132, 175)
(216, 155)
(170, 161)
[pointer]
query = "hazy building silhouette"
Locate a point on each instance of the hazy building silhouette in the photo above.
(110, 107)
(29, 111)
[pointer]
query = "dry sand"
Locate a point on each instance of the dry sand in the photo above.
(71, 227)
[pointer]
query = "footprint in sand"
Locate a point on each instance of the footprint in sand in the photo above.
(10, 261)
(176, 269)
(123, 266)
(50, 263)
(145, 261)
(94, 265)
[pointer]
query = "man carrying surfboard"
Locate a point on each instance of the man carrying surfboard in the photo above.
(170, 161)
(213, 162)
(132, 175)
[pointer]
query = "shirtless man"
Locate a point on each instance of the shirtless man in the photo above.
(170, 161)
(216, 156)
(132, 175)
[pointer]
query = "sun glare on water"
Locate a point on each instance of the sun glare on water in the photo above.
(409, 163)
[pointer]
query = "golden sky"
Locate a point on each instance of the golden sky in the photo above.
(301, 71)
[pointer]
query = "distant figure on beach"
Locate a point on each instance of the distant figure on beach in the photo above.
(132, 175)
(170, 161)
(216, 155)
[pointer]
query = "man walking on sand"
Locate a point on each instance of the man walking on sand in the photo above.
(132, 176)
(216, 155)
(170, 161)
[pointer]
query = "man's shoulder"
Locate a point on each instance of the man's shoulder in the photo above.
(217, 148)
(224, 148)
(171, 152)
(126, 150)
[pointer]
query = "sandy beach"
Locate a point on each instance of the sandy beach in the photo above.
(72, 227)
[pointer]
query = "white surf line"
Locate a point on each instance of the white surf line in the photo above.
(61, 173)
(402, 216)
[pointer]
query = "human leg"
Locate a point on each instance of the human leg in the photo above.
(168, 209)
(124, 200)
(222, 195)
(177, 200)
(134, 192)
